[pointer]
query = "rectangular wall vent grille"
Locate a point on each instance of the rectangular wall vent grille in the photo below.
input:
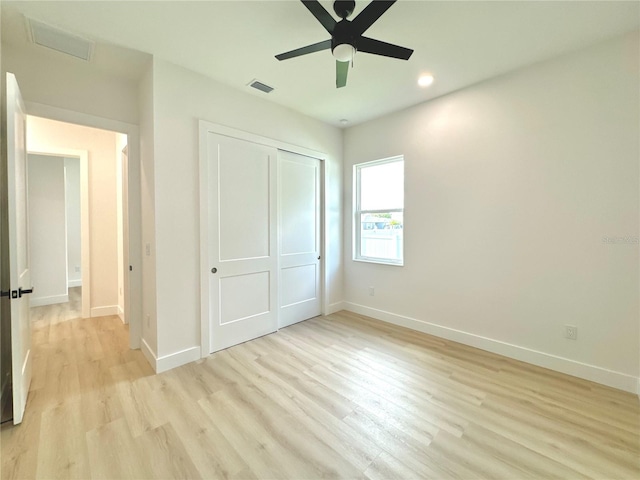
(260, 86)
(59, 40)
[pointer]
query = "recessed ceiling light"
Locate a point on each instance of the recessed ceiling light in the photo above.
(344, 121)
(425, 80)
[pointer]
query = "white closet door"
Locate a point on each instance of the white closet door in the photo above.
(242, 240)
(299, 255)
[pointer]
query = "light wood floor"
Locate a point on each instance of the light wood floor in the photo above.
(340, 397)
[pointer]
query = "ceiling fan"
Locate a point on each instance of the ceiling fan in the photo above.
(347, 36)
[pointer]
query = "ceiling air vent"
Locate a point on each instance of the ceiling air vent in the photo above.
(59, 40)
(260, 86)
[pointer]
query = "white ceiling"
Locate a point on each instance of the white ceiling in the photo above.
(233, 42)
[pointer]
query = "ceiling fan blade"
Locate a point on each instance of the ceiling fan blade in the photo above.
(321, 14)
(369, 45)
(316, 47)
(369, 15)
(342, 68)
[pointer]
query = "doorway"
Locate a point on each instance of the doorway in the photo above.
(68, 209)
(14, 161)
(58, 192)
(132, 214)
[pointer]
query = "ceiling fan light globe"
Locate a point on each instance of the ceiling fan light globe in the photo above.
(343, 52)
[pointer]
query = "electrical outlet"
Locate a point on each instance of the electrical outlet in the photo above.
(77, 269)
(571, 332)
(372, 291)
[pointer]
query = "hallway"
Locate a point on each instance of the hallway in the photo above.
(77, 365)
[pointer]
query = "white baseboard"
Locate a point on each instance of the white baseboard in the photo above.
(50, 300)
(104, 311)
(611, 378)
(173, 360)
(121, 314)
(334, 307)
(149, 354)
(74, 283)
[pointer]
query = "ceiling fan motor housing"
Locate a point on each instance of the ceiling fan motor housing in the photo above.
(344, 8)
(342, 34)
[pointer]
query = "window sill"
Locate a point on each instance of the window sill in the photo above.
(380, 261)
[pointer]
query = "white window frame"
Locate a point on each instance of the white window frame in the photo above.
(358, 212)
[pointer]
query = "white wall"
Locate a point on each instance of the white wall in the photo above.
(44, 135)
(180, 99)
(74, 244)
(70, 84)
(511, 186)
(47, 230)
(147, 206)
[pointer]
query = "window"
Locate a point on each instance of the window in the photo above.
(379, 211)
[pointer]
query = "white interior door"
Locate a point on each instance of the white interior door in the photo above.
(20, 279)
(299, 248)
(242, 240)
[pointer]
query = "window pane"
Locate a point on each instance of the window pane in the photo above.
(381, 235)
(382, 186)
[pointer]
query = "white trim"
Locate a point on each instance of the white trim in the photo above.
(85, 236)
(121, 314)
(177, 359)
(334, 307)
(205, 339)
(74, 283)
(134, 196)
(585, 371)
(204, 129)
(149, 354)
(104, 311)
(50, 300)
(250, 137)
(79, 118)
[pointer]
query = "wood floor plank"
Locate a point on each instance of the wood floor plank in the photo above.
(61, 455)
(141, 408)
(115, 454)
(167, 454)
(347, 443)
(100, 403)
(19, 446)
(210, 451)
(342, 396)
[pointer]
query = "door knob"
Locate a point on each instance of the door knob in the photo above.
(214, 270)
